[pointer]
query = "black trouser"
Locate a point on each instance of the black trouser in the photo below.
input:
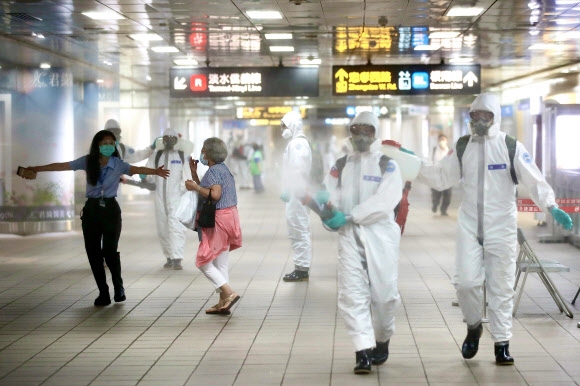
(101, 230)
(444, 196)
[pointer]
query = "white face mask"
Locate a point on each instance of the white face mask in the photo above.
(287, 133)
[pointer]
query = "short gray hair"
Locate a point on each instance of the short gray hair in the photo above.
(215, 149)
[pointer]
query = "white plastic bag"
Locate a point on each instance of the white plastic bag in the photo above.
(187, 208)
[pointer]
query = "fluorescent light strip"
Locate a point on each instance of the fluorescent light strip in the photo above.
(460, 60)
(281, 48)
(264, 14)
(104, 15)
(464, 11)
(443, 35)
(185, 62)
(427, 47)
(281, 36)
(164, 49)
(146, 37)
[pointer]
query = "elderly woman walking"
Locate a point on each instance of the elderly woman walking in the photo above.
(216, 243)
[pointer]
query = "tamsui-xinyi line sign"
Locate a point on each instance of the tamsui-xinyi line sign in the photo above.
(406, 79)
(243, 82)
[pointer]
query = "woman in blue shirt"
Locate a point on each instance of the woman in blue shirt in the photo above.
(101, 215)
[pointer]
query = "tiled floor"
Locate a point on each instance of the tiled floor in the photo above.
(279, 333)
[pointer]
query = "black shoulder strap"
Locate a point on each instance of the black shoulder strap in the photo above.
(460, 149)
(157, 157)
(511, 143)
(340, 163)
(383, 162)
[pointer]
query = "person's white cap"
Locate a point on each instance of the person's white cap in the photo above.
(170, 133)
(112, 124)
(366, 118)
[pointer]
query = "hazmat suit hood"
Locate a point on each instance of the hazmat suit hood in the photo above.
(293, 121)
(489, 102)
(369, 119)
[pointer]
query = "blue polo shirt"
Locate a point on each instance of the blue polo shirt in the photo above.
(219, 174)
(108, 182)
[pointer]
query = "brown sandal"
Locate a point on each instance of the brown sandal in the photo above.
(216, 309)
(229, 302)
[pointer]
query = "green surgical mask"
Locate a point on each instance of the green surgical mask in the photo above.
(107, 150)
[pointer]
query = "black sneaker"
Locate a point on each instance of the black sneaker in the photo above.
(296, 276)
(177, 264)
(168, 264)
(103, 300)
(120, 296)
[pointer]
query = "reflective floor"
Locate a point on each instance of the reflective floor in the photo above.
(279, 333)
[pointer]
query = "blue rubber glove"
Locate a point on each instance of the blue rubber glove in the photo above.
(406, 151)
(142, 176)
(322, 196)
(338, 220)
(285, 196)
(562, 218)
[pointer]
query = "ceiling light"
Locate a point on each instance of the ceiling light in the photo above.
(148, 77)
(264, 14)
(282, 49)
(281, 36)
(146, 37)
(569, 35)
(427, 47)
(45, 65)
(164, 49)
(310, 61)
(104, 15)
(100, 81)
(443, 35)
(40, 36)
(460, 60)
(464, 11)
(186, 62)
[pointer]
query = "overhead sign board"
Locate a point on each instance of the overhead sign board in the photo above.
(272, 112)
(243, 82)
(406, 79)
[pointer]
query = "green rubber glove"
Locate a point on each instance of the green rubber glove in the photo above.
(338, 220)
(142, 176)
(406, 151)
(322, 196)
(154, 144)
(285, 196)
(562, 218)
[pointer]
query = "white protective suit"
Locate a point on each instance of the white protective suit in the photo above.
(368, 246)
(171, 232)
(127, 153)
(488, 212)
(296, 165)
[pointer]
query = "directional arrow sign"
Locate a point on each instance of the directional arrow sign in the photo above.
(179, 83)
(470, 78)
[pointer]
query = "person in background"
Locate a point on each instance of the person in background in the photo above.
(487, 222)
(101, 215)
(170, 230)
(443, 196)
(241, 153)
(216, 243)
(255, 163)
(364, 187)
(127, 153)
(296, 166)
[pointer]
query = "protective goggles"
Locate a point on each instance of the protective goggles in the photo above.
(362, 129)
(481, 115)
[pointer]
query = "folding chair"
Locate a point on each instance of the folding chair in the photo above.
(527, 263)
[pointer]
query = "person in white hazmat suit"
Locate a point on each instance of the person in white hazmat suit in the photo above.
(364, 195)
(171, 232)
(296, 165)
(128, 154)
(487, 222)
